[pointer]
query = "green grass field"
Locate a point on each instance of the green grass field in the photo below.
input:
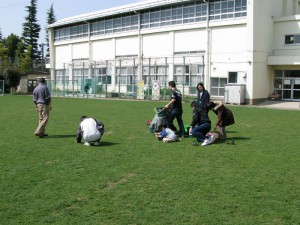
(132, 178)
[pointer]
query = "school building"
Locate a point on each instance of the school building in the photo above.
(242, 50)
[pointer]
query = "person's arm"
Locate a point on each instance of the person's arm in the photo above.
(169, 104)
(79, 135)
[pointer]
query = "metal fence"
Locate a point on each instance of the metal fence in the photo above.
(128, 77)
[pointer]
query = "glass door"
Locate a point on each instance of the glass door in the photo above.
(296, 89)
(291, 89)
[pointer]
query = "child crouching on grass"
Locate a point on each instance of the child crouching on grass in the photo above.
(166, 135)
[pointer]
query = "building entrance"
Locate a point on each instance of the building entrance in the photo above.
(291, 89)
(287, 84)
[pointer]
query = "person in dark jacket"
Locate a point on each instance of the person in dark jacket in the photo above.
(174, 109)
(42, 101)
(91, 130)
(203, 96)
(200, 124)
(225, 117)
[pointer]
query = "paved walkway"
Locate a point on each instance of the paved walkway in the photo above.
(280, 105)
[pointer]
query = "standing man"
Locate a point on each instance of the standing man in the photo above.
(175, 109)
(42, 101)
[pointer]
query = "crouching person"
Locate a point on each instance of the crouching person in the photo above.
(225, 117)
(166, 135)
(91, 130)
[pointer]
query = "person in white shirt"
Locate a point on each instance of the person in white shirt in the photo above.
(91, 130)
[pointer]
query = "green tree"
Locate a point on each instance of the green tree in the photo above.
(50, 19)
(31, 30)
(11, 43)
(26, 62)
(4, 63)
(12, 77)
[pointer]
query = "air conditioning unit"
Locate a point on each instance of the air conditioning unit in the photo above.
(234, 93)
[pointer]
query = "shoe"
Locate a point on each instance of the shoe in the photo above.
(45, 135)
(40, 135)
(96, 143)
(205, 142)
(208, 140)
(87, 144)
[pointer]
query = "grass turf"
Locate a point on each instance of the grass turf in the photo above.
(132, 178)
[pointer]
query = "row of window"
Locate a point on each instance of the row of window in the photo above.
(292, 39)
(192, 12)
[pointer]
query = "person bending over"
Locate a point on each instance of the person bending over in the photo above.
(91, 130)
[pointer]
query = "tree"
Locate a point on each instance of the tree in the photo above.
(31, 30)
(26, 62)
(11, 43)
(50, 19)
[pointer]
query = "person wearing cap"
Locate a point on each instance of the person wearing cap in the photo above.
(42, 101)
(90, 130)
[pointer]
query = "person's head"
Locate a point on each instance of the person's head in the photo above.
(82, 118)
(42, 80)
(172, 84)
(200, 87)
(193, 104)
(210, 105)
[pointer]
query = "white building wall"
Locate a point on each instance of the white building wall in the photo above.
(157, 45)
(103, 49)
(80, 51)
(127, 46)
(262, 46)
(190, 40)
(63, 55)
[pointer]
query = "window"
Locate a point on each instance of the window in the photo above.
(292, 39)
(232, 77)
(126, 75)
(217, 86)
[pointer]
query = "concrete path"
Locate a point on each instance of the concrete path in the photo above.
(280, 105)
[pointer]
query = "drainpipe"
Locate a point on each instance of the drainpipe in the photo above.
(207, 63)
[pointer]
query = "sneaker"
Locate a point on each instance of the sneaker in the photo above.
(87, 144)
(96, 143)
(208, 140)
(205, 142)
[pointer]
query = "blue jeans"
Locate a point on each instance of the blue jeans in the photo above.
(200, 131)
(178, 115)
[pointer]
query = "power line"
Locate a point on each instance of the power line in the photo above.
(12, 4)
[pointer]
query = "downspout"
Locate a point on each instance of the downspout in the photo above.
(207, 52)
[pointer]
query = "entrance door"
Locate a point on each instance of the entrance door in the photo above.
(291, 89)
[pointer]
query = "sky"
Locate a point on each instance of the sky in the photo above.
(13, 12)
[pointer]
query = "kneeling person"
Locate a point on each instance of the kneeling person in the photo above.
(91, 130)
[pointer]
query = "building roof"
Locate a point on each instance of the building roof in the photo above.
(134, 7)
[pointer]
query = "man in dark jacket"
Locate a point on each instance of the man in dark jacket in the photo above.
(225, 117)
(201, 123)
(42, 101)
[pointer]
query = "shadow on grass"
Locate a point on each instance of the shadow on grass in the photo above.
(106, 143)
(231, 140)
(62, 136)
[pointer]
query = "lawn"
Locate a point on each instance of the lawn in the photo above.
(132, 178)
